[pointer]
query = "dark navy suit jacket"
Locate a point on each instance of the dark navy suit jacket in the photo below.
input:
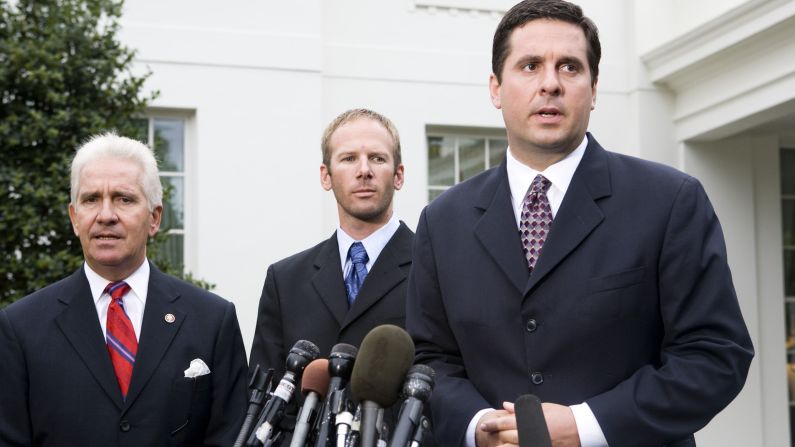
(630, 308)
(304, 298)
(58, 386)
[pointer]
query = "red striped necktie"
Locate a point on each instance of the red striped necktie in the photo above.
(122, 344)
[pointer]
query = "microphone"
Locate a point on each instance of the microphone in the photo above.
(530, 422)
(314, 383)
(385, 356)
(382, 429)
(298, 358)
(340, 365)
(416, 390)
(258, 386)
(353, 436)
(344, 420)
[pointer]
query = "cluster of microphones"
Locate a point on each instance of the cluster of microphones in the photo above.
(344, 396)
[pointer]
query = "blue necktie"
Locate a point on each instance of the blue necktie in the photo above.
(355, 278)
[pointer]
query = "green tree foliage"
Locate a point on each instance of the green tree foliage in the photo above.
(64, 76)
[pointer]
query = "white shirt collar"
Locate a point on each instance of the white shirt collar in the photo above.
(134, 301)
(520, 177)
(138, 281)
(374, 244)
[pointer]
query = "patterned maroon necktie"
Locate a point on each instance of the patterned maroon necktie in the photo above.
(536, 219)
(122, 344)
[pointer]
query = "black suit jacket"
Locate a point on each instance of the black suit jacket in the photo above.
(304, 298)
(59, 389)
(630, 308)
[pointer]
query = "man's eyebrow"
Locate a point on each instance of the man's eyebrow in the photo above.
(123, 193)
(88, 195)
(571, 60)
(527, 59)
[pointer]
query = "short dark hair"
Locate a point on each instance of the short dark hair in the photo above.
(529, 10)
(352, 115)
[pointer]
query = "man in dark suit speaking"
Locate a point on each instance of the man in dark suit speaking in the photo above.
(338, 290)
(596, 281)
(118, 353)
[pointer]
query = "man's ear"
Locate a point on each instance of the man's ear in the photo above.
(73, 219)
(399, 177)
(157, 216)
(494, 91)
(325, 177)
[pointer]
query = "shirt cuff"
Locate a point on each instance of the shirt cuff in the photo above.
(587, 426)
(473, 425)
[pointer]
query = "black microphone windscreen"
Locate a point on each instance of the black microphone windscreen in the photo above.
(419, 382)
(530, 422)
(425, 370)
(385, 356)
(307, 347)
(300, 355)
(343, 349)
(316, 378)
(341, 360)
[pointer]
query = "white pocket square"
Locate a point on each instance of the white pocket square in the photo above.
(197, 368)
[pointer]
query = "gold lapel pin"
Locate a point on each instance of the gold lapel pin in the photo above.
(170, 318)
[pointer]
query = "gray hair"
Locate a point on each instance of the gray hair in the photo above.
(113, 146)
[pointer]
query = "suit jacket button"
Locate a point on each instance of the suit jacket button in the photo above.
(531, 325)
(124, 426)
(537, 378)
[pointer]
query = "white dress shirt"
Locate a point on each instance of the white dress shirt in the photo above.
(134, 300)
(520, 177)
(373, 244)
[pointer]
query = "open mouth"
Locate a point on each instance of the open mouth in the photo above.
(107, 237)
(548, 112)
(548, 116)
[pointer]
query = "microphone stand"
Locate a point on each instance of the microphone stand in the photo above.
(259, 385)
(422, 427)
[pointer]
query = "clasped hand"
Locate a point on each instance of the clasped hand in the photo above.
(497, 428)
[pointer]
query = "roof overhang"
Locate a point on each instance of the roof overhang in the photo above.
(732, 74)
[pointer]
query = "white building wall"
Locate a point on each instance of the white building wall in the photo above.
(259, 81)
(726, 169)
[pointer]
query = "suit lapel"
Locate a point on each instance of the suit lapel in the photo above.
(328, 281)
(156, 333)
(497, 230)
(80, 325)
(385, 274)
(578, 214)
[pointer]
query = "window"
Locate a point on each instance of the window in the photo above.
(166, 135)
(788, 238)
(455, 155)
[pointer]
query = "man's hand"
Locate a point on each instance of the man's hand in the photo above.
(497, 428)
(561, 425)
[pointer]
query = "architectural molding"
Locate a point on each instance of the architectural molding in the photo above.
(496, 7)
(732, 73)
(752, 18)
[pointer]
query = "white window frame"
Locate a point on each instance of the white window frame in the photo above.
(188, 151)
(457, 133)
